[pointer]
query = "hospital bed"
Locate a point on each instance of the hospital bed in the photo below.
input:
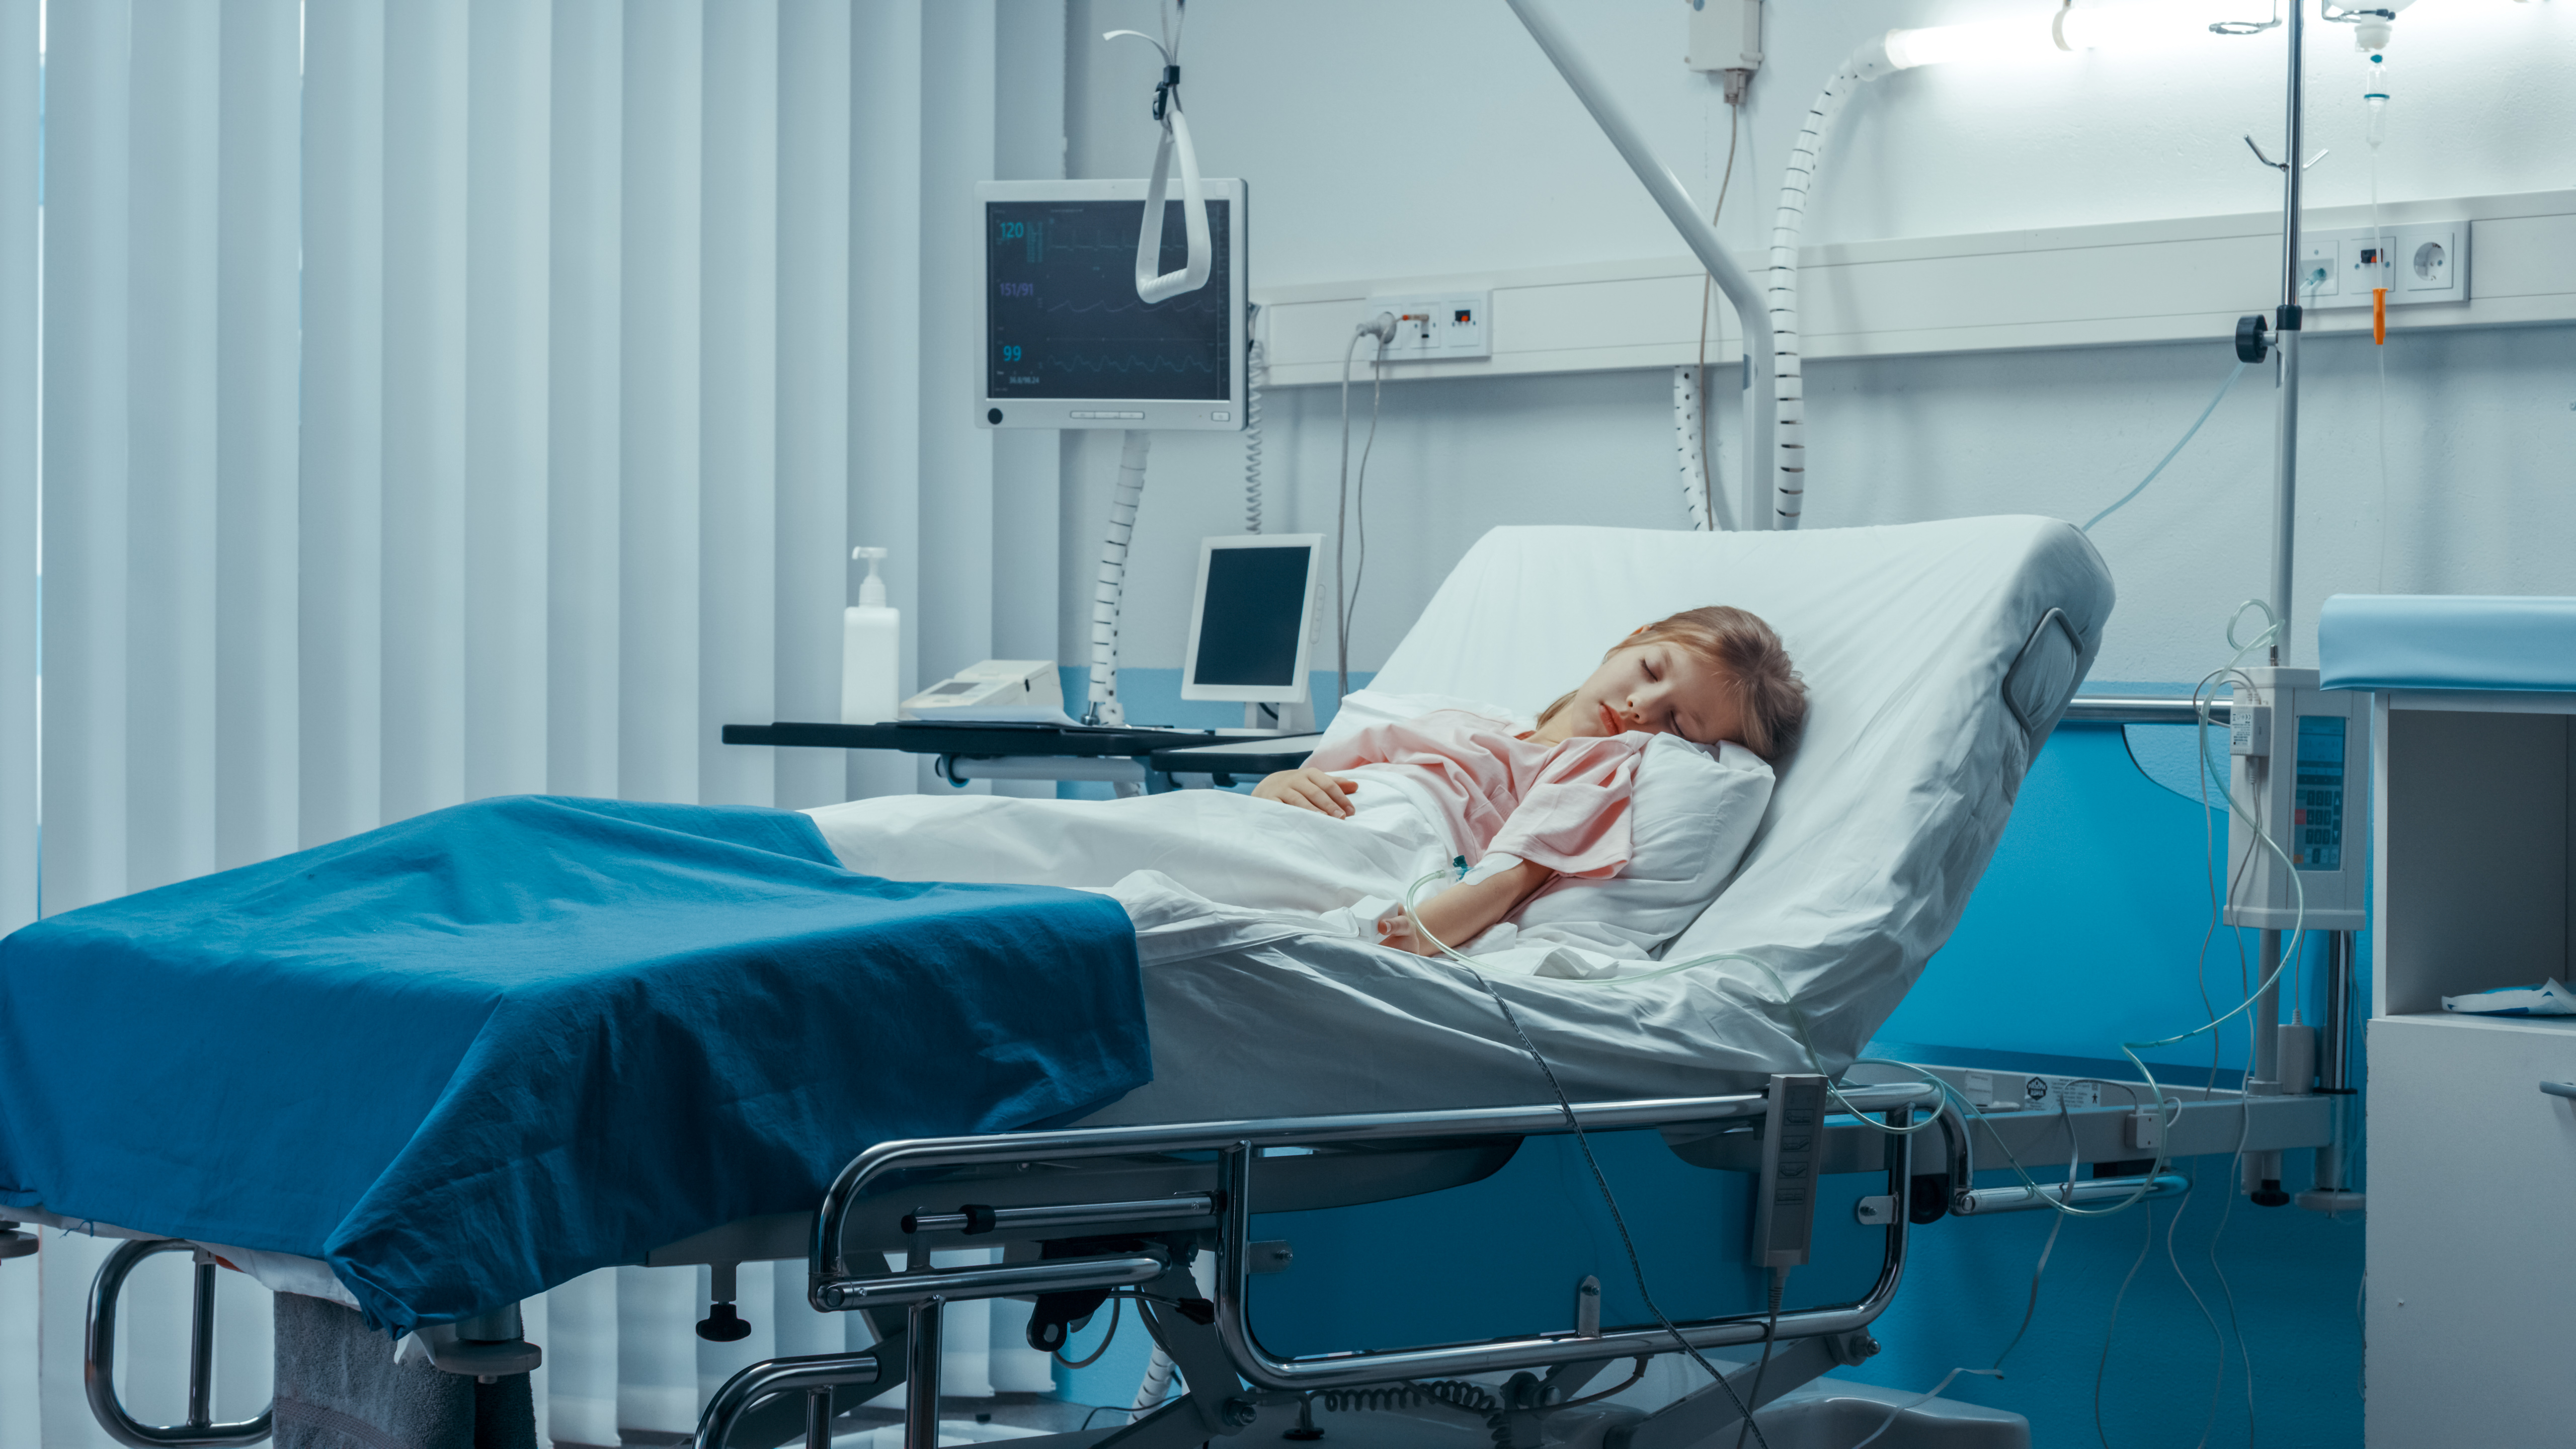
(1940, 656)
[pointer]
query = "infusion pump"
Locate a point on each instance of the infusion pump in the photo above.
(2300, 762)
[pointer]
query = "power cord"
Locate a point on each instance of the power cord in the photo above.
(1770, 1336)
(1116, 1306)
(1381, 327)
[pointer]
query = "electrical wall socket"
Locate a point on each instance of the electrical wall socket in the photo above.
(1437, 327)
(2426, 262)
(2431, 263)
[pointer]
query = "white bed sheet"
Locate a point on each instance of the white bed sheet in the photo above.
(1877, 832)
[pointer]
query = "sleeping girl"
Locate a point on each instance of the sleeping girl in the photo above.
(1371, 813)
(1531, 806)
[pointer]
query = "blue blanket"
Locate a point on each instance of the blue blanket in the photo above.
(478, 1053)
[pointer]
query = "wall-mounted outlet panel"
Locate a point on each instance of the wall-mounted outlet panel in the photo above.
(1441, 327)
(2424, 262)
(1725, 35)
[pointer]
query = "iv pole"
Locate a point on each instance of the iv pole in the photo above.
(2285, 448)
(2287, 324)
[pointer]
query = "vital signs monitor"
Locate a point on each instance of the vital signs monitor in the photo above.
(1248, 622)
(1062, 339)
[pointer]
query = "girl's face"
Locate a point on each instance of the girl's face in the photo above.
(1659, 689)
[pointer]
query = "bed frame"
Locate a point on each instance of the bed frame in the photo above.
(1087, 1211)
(1130, 1207)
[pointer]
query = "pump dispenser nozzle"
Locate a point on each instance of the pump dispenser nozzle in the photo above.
(871, 588)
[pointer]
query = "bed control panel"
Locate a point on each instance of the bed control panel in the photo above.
(1784, 1212)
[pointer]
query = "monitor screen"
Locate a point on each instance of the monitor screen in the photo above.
(1063, 314)
(1252, 617)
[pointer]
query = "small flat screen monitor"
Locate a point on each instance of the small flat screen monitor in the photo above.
(1062, 339)
(1249, 618)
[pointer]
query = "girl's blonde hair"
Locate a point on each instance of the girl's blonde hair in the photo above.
(1748, 654)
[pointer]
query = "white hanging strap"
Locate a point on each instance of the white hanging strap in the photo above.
(1151, 287)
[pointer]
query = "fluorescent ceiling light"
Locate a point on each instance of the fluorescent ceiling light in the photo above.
(2052, 30)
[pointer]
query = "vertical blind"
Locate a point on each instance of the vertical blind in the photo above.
(409, 401)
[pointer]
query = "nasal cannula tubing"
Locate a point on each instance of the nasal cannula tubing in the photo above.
(2170, 1108)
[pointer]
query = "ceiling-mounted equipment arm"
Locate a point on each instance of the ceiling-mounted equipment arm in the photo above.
(1760, 404)
(1151, 286)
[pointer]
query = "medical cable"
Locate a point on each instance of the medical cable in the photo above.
(2188, 434)
(1690, 453)
(1256, 371)
(2227, 1290)
(1709, 508)
(1770, 1338)
(2145, 1246)
(1359, 492)
(1381, 327)
(2057, 1222)
(2379, 353)
(1636, 1375)
(1108, 592)
(1106, 1338)
(1933, 1393)
(1583, 1143)
(1797, 182)
(1157, 1383)
(2218, 1339)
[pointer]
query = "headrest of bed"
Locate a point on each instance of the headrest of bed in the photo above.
(1919, 728)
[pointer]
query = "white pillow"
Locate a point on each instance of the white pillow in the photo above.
(1694, 815)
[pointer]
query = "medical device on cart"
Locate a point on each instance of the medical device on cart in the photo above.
(997, 689)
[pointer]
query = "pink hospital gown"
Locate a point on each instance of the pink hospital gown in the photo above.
(1562, 806)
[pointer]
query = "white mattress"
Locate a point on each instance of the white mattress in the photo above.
(1881, 824)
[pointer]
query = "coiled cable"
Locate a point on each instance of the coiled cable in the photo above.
(1109, 590)
(1157, 1384)
(1788, 381)
(1414, 1394)
(1256, 371)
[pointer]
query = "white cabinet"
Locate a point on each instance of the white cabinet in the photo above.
(2472, 1234)
(2471, 1253)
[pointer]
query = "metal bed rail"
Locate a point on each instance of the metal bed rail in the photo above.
(2141, 709)
(98, 1361)
(1212, 1341)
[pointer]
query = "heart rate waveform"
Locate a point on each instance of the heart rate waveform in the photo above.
(1063, 315)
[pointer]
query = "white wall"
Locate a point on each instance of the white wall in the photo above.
(1431, 137)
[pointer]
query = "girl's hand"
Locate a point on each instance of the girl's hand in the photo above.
(1463, 912)
(1308, 789)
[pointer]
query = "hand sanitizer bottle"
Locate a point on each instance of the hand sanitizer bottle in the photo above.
(871, 651)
